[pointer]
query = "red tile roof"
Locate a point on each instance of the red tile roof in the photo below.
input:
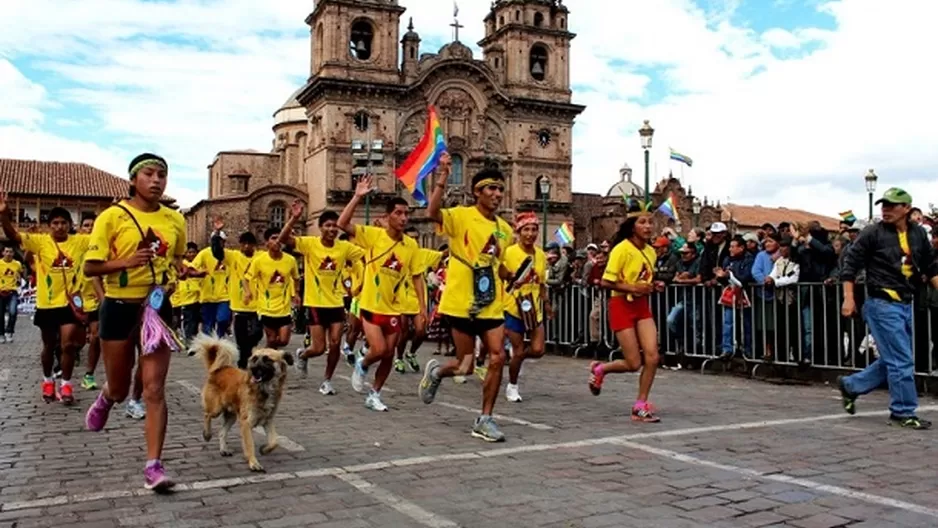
(755, 216)
(55, 178)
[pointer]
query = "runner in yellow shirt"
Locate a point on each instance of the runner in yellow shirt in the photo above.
(185, 298)
(272, 283)
(11, 273)
(352, 278)
(325, 260)
(390, 256)
(473, 302)
(92, 293)
(415, 326)
(58, 301)
(214, 299)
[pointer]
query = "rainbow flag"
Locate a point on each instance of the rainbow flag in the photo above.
(677, 156)
(564, 234)
(848, 217)
(424, 159)
(669, 207)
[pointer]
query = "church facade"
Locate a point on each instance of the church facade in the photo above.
(364, 109)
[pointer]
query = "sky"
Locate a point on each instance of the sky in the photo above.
(778, 102)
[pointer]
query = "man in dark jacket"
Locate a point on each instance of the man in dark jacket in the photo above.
(815, 257)
(896, 255)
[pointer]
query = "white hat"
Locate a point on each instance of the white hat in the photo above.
(718, 227)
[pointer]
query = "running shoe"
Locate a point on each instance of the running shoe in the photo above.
(155, 479)
(326, 388)
(909, 422)
(459, 380)
(486, 429)
(66, 394)
(512, 394)
(135, 410)
(644, 413)
(48, 391)
(349, 354)
(88, 383)
(373, 402)
(412, 362)
(481, 372)
(849, 400)
(596, 377)
(358, 375)
(98, 413)
(9, 338)
(430, 382)
(399, 366)
(302, 363)
(3, 338)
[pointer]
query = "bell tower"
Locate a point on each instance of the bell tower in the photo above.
(355, 39)
(527, 41)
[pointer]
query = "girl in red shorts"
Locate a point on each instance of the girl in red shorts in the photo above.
(629, 276)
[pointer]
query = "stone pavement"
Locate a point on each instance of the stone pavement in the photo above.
(729, 452)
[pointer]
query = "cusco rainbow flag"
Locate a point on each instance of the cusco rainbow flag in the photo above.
(668, 208)
(424, 159)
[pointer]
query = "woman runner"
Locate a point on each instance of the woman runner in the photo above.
(136, 245)
(630, 276)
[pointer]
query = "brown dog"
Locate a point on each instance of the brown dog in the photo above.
(249, 396)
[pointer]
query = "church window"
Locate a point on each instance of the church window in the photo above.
(361, 121)
(413, 53)
(361, 40)
(455, 176)
(538, 62)
(562, 24)
(538, 19)
(276, 215)
(239, 184)
(501, 20)
(498, 62)
(517, 15)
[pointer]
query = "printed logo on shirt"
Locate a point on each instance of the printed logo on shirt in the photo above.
(62, 261)
(392, 263)
(277, 278)
(9, 271)
(327, 264)
(154, 242)
(491, 247)
(645, 274)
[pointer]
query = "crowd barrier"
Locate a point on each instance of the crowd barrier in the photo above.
(797, 326)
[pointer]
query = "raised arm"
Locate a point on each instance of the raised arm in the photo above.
(435, 204)
(345, 219)
(217, 240)
(6, 222)
(286, 234)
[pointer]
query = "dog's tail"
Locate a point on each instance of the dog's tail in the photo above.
(215, 353)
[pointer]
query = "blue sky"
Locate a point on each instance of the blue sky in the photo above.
(779, 102)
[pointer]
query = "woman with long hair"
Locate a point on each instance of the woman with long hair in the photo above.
(629, 276)
(136, 247)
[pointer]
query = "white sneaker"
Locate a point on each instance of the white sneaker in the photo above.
(9, 338)
(373, 402)
(301, 362)
(4, 339)
(326, 388)
(512, 394)
(136, 410)
(459, 380)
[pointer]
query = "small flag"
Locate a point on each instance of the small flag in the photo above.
(668, 207)
(848, 217)
(564, 234)
(677, 156)
(455, 10)
(424, 159)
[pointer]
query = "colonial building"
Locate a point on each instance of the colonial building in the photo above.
(364, 109)
(34, 187)
(597, 217)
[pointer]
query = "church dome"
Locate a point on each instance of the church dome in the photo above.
(625, 185)
(291, 110)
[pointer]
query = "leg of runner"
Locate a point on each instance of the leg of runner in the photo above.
(381, 351)
(223, 321)
(135, 408)
(401, 347)
(155, 366)
(13, 303)
(519, 354)
(351, 338)
(317, 342)
(332, 360)
(283, 335)
(648, 341)
(94, 354)
(373, 401)
(73, 338)
(419, 336)
(631, 362)
(50, 337)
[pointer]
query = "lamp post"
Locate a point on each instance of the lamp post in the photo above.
(696, 207)
(870, 180)
(544, 183)
(646, 132)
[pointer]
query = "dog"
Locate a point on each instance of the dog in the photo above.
(251, 396)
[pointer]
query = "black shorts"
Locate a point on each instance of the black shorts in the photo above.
(54, 318)
(324, 317)
(276, 323)
(119, 320)
(472, 327)
(347, 301)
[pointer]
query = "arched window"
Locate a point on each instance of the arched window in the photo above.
(501, 21)
(319, 43)
(562, 24)
(517, 15)
(455, 177)
(276, 215)
(538, 19)
(538, 62)
(413, 53)
(361, 40)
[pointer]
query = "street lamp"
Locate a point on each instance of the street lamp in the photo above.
(544, 184)
(646, 132)
(870, 180)
(696, 207)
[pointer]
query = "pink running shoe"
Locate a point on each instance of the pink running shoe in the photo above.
(156, 479)
(645, 413)
(98, 413)
(596, 377)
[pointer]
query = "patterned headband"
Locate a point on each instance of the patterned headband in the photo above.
(146, 162)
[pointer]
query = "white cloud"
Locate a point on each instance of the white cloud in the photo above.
(756, 122)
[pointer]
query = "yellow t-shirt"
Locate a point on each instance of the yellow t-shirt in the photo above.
(275, 282)
(56, 266)
(532, 286)
(387, 262)
(89, 299)
(238, 264)
(10, 274)
(906, 264)
(324, 270)
(426, 258)
(215, 284)
(187, 290)
(630, 265)
(115, 236)
(478, 241)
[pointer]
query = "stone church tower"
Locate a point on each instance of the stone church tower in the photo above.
(364, 106)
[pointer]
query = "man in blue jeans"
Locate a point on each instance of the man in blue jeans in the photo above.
(897, 256)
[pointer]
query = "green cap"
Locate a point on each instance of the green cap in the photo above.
(895, 195)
